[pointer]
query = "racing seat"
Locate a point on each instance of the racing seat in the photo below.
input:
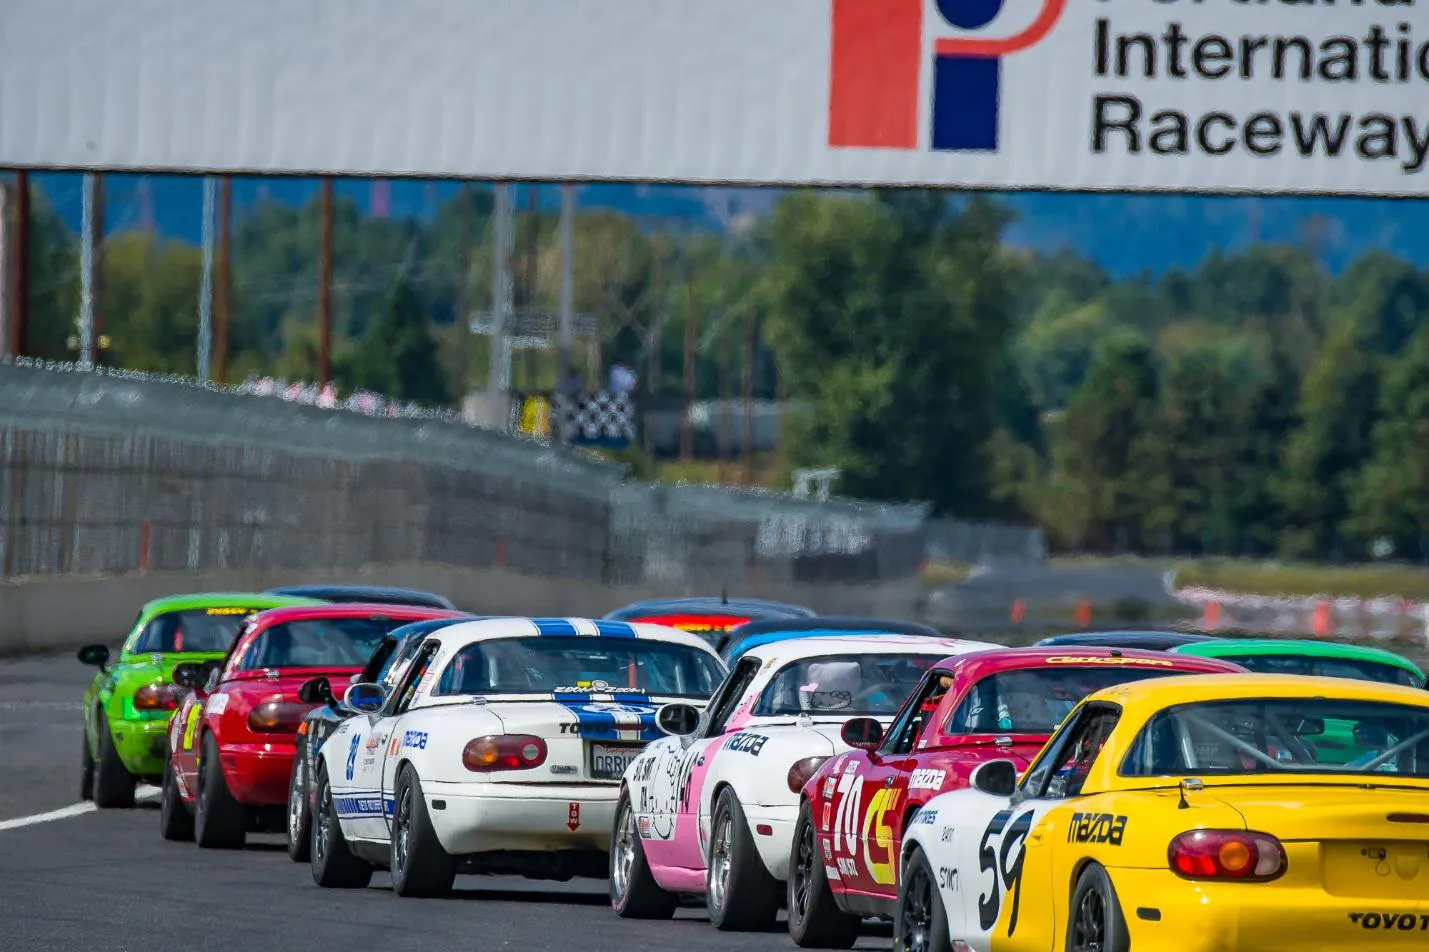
(828, 677)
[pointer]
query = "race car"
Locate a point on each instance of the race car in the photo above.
(384, 667)
(770, 630)
(127, 705)
(1327, 659)
(1188, 814)
(706, 615)
(368, 595)
(711, 809)
(231, 743)
(500, 750)
(856, 808)
(1145, 640)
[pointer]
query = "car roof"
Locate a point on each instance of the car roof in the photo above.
(1239, 647)
(255, 600)
(1011, 659)
(323, 610)
(367, 594)
(752, 608)
(1157, 693)
(482, 629)
(736, 647)
(1159, 640)
(781, 652)
(832, 623)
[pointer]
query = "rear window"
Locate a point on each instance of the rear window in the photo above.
(1352, 668)
(1036, 700)
(194, 629)
(541, 665)
(850, 685)
(318, 643)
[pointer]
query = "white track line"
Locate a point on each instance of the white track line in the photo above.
(65, 813)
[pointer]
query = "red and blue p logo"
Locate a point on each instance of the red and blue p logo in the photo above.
(877, 63)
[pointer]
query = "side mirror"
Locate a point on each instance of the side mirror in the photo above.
(97, 655)
(317, 691)
(678, 720)
(190, 674)
(862, 733)
(995, 777)
(364, 698)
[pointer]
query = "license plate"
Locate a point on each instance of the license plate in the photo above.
(1376, 870)
(608, 761)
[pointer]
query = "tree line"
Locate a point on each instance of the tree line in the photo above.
(1253, 404)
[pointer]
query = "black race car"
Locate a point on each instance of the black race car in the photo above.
(384, 667)
(1148, 640)
(379, 594)
(707, 615)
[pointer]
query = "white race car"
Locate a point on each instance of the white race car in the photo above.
(499, 750)
(712, 809)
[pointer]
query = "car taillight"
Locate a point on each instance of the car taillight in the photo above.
(1227, 854)
(159, 697)
(277, 717)
(503, 752)
(802, 770)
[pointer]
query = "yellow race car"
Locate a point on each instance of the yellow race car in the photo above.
(1210, 813)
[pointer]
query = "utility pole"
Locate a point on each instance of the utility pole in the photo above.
(500, 307)
(726, 397)
(205, 293)
(88, 252)
(5, 355)
(751, 333)
(687, 432)
(463, 291)
(224, 289)
(20, 267)
(325, 289)
(568, 280)
(532, 269)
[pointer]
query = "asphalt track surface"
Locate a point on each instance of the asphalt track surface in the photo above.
(104, 881)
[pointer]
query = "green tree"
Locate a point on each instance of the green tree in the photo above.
(398, 356)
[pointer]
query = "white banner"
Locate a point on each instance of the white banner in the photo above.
(1202, 95)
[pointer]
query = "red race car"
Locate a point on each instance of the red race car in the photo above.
(1001, 704)
(232, 740)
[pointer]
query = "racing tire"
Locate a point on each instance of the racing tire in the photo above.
(815, 920)
(220, 822)
(634, 894)
(1094, 919)
(86, 772)
(920, 921)
(740, 895)
(420, 867)
(113, 785)
(176, 823)
(333, 865)
(300, 814)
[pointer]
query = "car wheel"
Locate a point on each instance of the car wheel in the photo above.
(113, 785)
(740, 894)
(920, 923)
(175, 821)
(1094, 920)
(815, 920)
(334, 866)
(300, 815)
(220, 822)
(634, 894)
(86, 772)
(420, 866)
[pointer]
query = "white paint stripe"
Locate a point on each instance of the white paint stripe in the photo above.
(76, 810)
(584, 627)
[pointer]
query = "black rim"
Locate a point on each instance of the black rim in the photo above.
(803, 871)
(403, 822)
(1089, 926)
(916, 921)
(321, 820)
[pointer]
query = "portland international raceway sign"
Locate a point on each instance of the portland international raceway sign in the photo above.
(1328, 96)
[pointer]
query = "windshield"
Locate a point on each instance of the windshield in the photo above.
(1282, 735)
(195, 629)
(1353, 668)
(1035, 700)
(318, 643)
(541, 665)
(851, 685)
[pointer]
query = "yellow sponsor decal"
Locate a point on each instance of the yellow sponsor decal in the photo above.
(875, 821)
(1074, 659)
(228, 611)
(191, 725)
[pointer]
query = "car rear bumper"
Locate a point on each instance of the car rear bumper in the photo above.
(772, 828)
(258, 774)
(141, 745)
(524, 817)
(1260, 917)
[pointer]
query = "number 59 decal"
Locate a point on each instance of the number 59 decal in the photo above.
(1006, 868)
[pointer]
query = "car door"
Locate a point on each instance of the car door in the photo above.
(1008, 841)
(393, 736)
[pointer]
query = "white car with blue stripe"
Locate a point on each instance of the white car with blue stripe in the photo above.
(499, 750)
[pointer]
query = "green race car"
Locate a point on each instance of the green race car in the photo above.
(128, 704)
(1333, 742)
